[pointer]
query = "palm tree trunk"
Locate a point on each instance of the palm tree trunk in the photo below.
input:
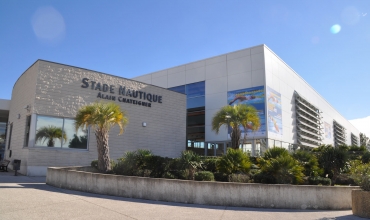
(235, 137)
(103, 150)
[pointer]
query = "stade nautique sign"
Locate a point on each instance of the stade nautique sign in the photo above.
(124, 94)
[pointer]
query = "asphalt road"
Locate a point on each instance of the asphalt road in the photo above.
(29, 198)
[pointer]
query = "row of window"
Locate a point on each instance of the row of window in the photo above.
(195, 94)
(53, 132)
(59, 132)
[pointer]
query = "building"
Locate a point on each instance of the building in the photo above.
(48, 95)
(292, 113)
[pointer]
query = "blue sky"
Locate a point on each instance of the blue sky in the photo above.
(131, 38)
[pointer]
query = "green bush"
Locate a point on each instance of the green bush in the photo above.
(234, 161)
(221, 177)
(333, 161)
(356, 148)
(204, 176)
(239, 178)
(263, 178)
(285, 169)
(275, 152)
(309, 163)
(317, 180)
(344, 179)
(210, 164)
(133, 163)
(366, 157)
(189, 163)
(361, 174)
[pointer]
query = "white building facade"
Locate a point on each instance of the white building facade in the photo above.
(292, 113)
(48, 95)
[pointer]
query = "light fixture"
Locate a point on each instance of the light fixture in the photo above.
(27, 107)
(144, 124)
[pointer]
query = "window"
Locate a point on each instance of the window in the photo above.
(27, 132)
(180, 89)
(195, 93)
(10, 135)
(59, 132)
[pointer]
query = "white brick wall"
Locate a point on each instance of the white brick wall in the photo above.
(55, 90)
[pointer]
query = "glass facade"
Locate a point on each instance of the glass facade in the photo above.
(59, 132)
(195, 132)
(195, 94)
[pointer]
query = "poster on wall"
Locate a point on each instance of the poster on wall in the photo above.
(251, 96)
(275, 124)
(328, 130)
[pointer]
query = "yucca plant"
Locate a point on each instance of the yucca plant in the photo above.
(234, 161)
(190, 162)
(275, 152)
(285, 169)
(309, 163)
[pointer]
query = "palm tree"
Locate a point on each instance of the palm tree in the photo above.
(50, 133)
(101, 117)
(236, 116)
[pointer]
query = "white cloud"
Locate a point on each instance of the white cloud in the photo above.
(362, 124)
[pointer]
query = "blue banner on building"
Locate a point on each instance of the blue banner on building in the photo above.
(274, 111)
(255, 97)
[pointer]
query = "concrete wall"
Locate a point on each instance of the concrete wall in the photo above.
(283, 79)
(23, 94)
(53, 89)
(255, 66)
(210, 193)
(228, 72)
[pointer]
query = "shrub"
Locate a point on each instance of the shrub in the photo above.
(283, 168)
(210, 164)
(356, 148)
(239, 178)
(275, 152)
(333, 160)
(133, 163)
(189, 163)
(158, 166)
(344, 179)
(309, 163)
(234, 161)
(221, 177)
(366, 157)
(361, 174)
(317, 180)
(204, 176)
(263, 178)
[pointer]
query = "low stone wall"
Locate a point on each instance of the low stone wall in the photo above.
(210, 193)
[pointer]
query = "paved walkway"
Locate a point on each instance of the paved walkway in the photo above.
(29, 198)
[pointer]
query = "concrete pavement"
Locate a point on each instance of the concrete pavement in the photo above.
(28, 198)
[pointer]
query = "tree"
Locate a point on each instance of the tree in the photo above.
(101, 117)
(333, 160)
(364, 141)
(236, 117)
(49, 134)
